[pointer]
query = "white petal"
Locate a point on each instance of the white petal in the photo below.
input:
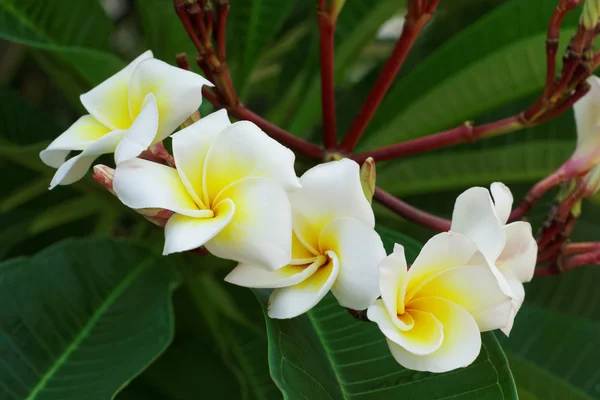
(425, 336)
(360, 250)
(503, 200)
(260, 232)
(329, 191)
(462, 340)
(178, 93)
(587, 120)
(75, 168)
(474, 288)
(242, 151)
(255, 277)
(144, 184)
(85, 131)
(443, 251)
(392, 271)
(190, 147)
(184, 233)
(108, 102)
(520, 252)
(291, 301)
(518, 296)
(141, 133)
(474, 215)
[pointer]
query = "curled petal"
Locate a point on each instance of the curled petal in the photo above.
(475, 216)
(141, 133)
(520, 252)
(183, 233)
(329, 191)
(461, 344)
(291, 301)
(442, 252)
(503, 200)
(425, 335)
(474, 288)
(75, 168)
(144, 184)
(518, 296)
(260, 232)
(255, 277)
(243, 151)
(190, 147)
(392, 271)
(359, 250)
(108, 102)
(85, 131)
(178, 93)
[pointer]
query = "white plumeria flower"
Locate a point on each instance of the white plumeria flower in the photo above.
(334, 247)
(140, 105)
(586, 157)
(228, 192)
(432, 314)
(510, 247)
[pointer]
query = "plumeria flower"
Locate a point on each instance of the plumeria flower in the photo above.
(228, 192)
(432, 313)
(510, 247)
(140, 105)
(586, 158)
(334, 246)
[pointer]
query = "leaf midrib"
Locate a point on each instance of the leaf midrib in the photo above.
(84, 333)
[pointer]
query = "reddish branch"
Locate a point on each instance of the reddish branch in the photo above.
(327, 33)
(411, 213)
(417, 16)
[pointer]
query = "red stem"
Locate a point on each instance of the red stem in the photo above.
(222, 11)
(582, 247)
(592, 258)
(287, 139)
(412, 27)
(464, 133)
(411, 213)
(327, 30)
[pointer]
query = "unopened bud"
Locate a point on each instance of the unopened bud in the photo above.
(336, 8)
(592, 181)
(368, 176)
(193, 118)
(158, 216)
(591, 14)
(159, 154)
(104, 175)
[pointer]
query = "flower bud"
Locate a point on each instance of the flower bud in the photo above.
(336, 8)
(193, 118)
(368, 176)
(590, 14)
(592, 181)
(104, 175)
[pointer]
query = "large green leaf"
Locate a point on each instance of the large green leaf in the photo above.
(69, 35)
(519, 163)
(252, 25)
(81, 318)
(163, 31)
(327, 354)
(356, 27)
(499, 58)
(554, 344)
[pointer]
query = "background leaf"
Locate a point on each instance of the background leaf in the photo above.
(84, 315)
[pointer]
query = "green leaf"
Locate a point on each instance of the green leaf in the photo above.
(327, 354)
(519, 163)
(76, 35)
(163, 31)
(498, 59)
(252, 26)
(356, 27)
(81, 318)
(555, 339)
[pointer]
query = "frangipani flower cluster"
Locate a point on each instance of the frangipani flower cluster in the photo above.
(233, 190)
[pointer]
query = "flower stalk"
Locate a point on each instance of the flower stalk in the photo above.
(326, 46)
